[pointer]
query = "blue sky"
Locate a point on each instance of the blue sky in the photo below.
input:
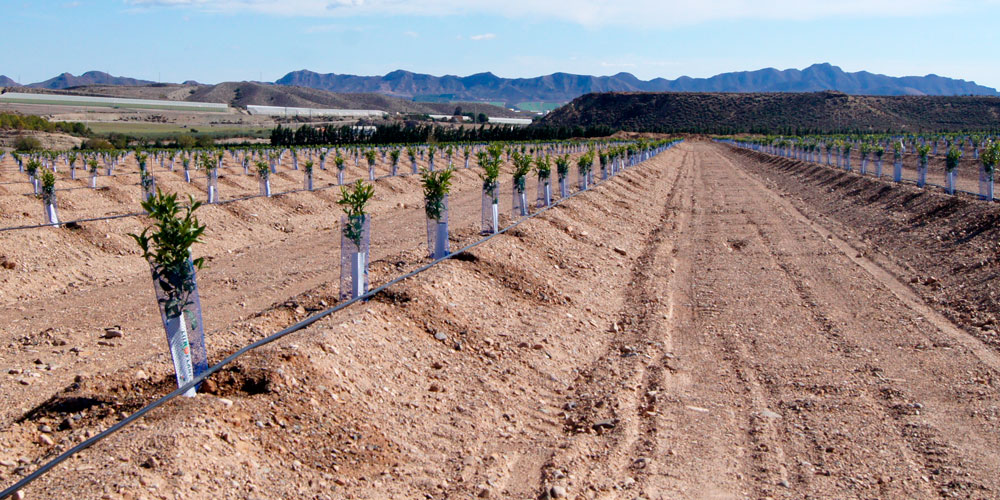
(222, 40)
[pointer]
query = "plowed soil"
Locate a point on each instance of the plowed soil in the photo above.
(709, 324)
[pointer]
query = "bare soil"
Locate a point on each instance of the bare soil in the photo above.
(701, 326)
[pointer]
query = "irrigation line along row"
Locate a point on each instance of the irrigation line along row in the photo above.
(262, 342)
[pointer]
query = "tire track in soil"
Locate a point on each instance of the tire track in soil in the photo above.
(942, 468)
(767, 454)
(607, 425)
(690, 458)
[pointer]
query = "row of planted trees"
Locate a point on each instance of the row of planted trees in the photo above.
(166, 244)
(266, 162)
(872, 149)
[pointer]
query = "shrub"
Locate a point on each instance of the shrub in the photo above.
(27, 143)
(185, 141)
(204, 141)
(97, 143)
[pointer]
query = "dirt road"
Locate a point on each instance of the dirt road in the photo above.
(683, 331)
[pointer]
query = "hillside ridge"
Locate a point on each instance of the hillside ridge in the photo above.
(813, 112)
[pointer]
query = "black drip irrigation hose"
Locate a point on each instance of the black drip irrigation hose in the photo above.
(37, 473)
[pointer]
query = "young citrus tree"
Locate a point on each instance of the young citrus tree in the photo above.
(491, 163)
(355, 238)
(543, 167)
(264, 175)
(584, 164)
(394, 156)
(562, 173)
(951, 160)
(922, 151)
(47, 193)
(166, 245)
(370, 158)
(989, 159)
(522, 167)
(307, 177)
(436, 186)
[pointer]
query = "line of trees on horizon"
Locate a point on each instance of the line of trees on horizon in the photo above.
(308, 135)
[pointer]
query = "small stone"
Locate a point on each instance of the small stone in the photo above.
(45, 428)
(440, 336)
(620, 251)
(45, 439)
(783, 483)
(604, 425)
(8, 463)
(770, 414)
(434, 388)
(150, 463)
(18, 495)
(113, 332)
(557, 492)
(301, 310)
(226, 402)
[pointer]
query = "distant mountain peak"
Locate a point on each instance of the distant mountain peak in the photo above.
(67, 80)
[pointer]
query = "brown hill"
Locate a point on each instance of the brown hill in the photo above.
(242, 94)
(773, 112)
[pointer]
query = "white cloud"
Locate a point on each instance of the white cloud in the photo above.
(411, 34)
(648, 13)
(484, 36)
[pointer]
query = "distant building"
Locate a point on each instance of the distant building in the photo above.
(314, 112)
(510, 121)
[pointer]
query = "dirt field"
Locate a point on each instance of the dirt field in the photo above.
(704, 325)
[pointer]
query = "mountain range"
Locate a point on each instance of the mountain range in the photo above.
(564, 87)
(560, 87)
